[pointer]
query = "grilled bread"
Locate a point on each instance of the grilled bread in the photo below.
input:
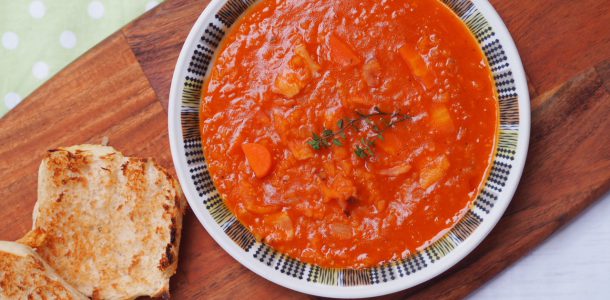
(24, 275)
(108, 224)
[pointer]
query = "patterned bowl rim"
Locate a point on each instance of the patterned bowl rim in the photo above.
(442, 262)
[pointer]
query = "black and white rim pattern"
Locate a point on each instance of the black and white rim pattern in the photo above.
(199, 61)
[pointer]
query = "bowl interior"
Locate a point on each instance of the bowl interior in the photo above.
(507, 164)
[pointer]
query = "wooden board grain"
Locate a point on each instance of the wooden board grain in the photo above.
(557, 39)
(157, 37)
(120, 90)
(92, 98)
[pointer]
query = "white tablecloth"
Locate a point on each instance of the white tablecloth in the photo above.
(573, 264)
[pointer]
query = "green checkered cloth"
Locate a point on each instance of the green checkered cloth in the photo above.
(40, 37)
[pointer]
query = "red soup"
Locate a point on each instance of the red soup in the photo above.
(349, 133)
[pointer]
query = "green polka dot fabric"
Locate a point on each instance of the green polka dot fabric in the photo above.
(40, 37)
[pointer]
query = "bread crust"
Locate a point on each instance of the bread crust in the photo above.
(109, 224)
(25, 275)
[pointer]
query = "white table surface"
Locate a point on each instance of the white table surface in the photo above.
(574, 263)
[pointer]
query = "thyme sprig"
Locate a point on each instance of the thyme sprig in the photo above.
(364, 148)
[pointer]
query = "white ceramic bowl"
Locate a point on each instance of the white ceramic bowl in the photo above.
(194, 62)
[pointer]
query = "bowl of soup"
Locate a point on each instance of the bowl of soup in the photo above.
(349, 149)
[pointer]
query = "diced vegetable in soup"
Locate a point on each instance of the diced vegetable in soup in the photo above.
(349, 134)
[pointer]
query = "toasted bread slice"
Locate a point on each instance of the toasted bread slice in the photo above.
(25, 275)
(112, 223)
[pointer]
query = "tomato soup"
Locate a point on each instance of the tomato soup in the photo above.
(349, 133)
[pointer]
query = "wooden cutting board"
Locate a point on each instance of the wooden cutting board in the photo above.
(120, 90)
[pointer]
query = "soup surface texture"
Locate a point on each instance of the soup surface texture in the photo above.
(349, 133)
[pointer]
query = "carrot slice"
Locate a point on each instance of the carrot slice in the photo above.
(342, 53)
(414, 60)
(417, 65)
(259, 158)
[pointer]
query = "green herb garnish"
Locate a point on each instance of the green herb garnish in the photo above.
(364, 149)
